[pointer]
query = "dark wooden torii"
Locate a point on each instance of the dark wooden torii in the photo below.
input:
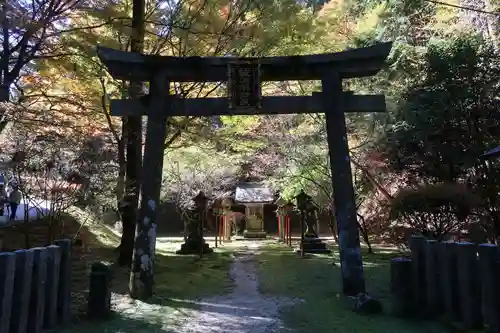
(159, 104)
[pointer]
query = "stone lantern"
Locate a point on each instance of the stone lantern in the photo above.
(288, 221)
(227, 221)
(310, 242)
(218, 216)
(226, 204)
(289, 207)
(281, 215)
(311, 219)
(195, 243)
(302, 198)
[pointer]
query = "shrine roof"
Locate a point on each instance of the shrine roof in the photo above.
(359, 62)
(253, 193)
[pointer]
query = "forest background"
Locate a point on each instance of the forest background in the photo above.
(415, 167)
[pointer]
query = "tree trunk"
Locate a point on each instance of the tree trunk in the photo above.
(364, 233)
(127, 210)
(366, 237)
(4, 97)
(5, 80)
(385, 193)
(142, 270)
(333, 225)
(133, 145)
(142, 255)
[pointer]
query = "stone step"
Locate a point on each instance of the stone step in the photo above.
(314, 246)
(254, 234)
(194, 247)
(312, 240)
(319, 251)
(315, 251)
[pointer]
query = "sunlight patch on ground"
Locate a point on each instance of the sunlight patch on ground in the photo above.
(105, 235)
(200, 303)
(179, 283)
(165, 314)
(254, 245)
(139, 317)
(370, 264)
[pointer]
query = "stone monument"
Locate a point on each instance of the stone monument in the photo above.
(310, 241)
(195, 243)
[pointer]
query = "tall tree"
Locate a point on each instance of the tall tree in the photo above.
(133, 132)
(29, 32)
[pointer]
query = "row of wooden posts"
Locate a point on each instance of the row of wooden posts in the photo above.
(285, 229)
(35, 290)
(454, 280)
(223, 226)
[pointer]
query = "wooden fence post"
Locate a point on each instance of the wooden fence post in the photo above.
(22, 291)
(449, 279)
(52, 286)
(418, 253)
(432, 269)
(37, 301)
(64, 295)
(99, 302)
(7, 273)
(469, 284)
(401, 287)
(489, 254)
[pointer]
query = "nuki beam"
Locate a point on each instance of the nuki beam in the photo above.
(199, 107)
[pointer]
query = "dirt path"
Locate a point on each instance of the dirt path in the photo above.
(244, 310)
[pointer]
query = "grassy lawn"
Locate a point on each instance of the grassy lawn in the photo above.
(179, 282)
(316, 280)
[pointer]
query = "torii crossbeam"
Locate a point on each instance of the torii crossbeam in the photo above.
(245, 98)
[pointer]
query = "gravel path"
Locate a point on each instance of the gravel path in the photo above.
(244, 310)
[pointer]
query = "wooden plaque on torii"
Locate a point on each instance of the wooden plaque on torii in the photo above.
(243, 84)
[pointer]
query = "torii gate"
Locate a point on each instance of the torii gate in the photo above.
(244, 76)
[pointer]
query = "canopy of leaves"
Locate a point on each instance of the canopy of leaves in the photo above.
(440, 81)
(434, 199)
(451, 118)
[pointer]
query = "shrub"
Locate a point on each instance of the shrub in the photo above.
(435, 210)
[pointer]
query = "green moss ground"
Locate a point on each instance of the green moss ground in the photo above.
(179, 282)
(316, 280)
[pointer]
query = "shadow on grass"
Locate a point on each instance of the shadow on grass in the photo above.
(180, 281)
(191, 276)
(316, 280)
(209, 307)
(119, 323)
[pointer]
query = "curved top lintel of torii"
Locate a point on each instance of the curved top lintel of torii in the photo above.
(360, 62)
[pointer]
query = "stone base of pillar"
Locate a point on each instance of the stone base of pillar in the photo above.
(314, 245)
(260, 234)
(195, 246)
